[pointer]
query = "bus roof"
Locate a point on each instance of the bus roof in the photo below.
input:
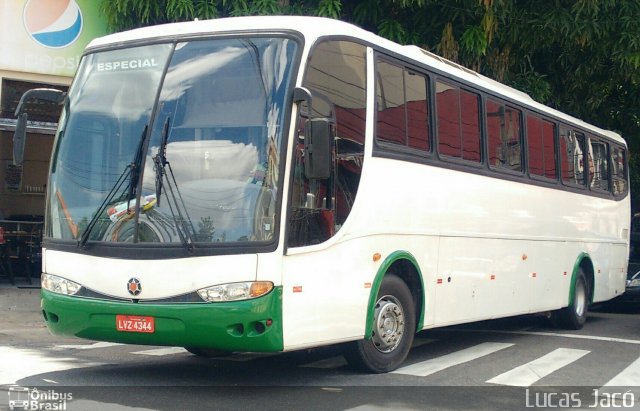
(314, 27)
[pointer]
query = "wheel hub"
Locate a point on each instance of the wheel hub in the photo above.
(389, 324)
(580, 299)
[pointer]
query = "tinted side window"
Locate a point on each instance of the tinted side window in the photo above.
(504, 132)
(572, 156)
(598, 165)
(470, 117)
(458, 122)
(448, 109)
(541, 147)
(402, 106)
(619, 170)
(416, 92)
(391, 122)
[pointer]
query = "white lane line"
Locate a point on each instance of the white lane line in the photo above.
(545, 334)
(20, 363)
(85, 346)
(629, 377)
(529, 373)
(327, 363)
(424, 368)
(159, 352)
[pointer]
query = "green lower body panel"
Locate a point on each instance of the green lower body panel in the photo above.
(250, 325)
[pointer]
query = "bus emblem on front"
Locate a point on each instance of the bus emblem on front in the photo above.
(134, 287)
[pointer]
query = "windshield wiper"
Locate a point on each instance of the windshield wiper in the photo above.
(184, 225)
(130, 172)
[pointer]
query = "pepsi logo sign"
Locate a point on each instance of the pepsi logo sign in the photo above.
(53, 23)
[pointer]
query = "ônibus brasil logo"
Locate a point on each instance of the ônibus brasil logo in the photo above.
(53, 23)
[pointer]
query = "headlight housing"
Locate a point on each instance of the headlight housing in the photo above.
(59, 285)
(634, 283)
(235, 291)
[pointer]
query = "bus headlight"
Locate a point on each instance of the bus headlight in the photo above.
(59, 285)
(235, 291)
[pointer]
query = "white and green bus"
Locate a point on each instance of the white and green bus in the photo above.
(271, 184)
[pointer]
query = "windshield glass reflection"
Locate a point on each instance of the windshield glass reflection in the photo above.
(212, 156)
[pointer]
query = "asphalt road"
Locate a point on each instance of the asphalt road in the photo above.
(508, 364)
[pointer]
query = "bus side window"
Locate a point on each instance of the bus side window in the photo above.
(541, 147)
(504, 132)
(598, 165)
(571, 156)
(391, 121)
(402, 111)
(458, 122)
(618, 171)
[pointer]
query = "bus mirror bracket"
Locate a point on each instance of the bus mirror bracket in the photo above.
(20, 135)
(302, 94)
(318, 135)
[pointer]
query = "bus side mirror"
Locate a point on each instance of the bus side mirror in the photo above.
(318, 136)
(20, 135)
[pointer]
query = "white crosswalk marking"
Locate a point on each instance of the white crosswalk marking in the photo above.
(21, 363)
(424, 368)
(162, 351)
(85, 346)
(531, 372)
(629, 377)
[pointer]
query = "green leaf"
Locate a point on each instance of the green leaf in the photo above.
(474, 41)
(330, 8)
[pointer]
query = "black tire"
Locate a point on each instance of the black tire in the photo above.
(207, 352)
(395, 312)
(574, 316)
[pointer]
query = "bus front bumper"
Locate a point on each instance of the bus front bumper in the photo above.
(250, 325)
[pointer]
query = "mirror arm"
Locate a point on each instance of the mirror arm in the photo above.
(301, 94)
(48, 94)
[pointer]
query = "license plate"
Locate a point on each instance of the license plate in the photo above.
(135, 324)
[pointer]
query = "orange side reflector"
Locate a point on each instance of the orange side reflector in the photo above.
(439, 281)
(297, 289)
(367, 285)
(493, 276)
(376, 257)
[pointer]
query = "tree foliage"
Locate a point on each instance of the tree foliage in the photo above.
(579, 56)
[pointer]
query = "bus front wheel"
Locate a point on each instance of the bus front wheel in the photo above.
(394, 326)
(574, 316)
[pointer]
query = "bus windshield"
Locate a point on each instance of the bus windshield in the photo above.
(173, 143)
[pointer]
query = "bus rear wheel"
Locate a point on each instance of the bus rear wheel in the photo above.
(207, 352)
(574, 316)
(394, 326)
